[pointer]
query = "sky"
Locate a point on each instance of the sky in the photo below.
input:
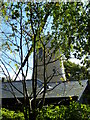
(76, 61)
(7, 29)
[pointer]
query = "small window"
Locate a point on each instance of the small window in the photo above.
(54, 70)
(40, 52)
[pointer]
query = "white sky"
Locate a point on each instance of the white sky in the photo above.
(76, 61)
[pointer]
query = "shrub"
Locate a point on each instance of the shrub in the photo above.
(74, 111)
(11, 115)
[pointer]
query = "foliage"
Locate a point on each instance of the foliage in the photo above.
(11, 115)
(74, 71)
(0, 115)
(68, 25)
(77, 72)
(74, 111)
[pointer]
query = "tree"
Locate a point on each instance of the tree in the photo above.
(28, 23)
(74, 71)
(15, 19)
(72, 27)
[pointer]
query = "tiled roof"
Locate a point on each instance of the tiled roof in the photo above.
(62, 89)
(7, 89)
(67, 89)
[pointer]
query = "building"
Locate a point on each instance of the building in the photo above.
(53, 65)
(56, 93)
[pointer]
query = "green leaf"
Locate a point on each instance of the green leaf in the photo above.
(6, 17)
(10, 44)
(27, 8)
(16, 66)
(69, 74)
(9, 62)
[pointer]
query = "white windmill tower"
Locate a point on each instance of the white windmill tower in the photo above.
(54, 67)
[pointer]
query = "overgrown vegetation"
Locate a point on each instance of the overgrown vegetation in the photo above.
(75, 72)
(11, 115)
(74, 111)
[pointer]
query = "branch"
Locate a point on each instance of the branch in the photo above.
(25, 60)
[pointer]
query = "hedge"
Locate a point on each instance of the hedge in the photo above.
(74, 111)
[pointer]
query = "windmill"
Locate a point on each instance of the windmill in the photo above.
(54, 68)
